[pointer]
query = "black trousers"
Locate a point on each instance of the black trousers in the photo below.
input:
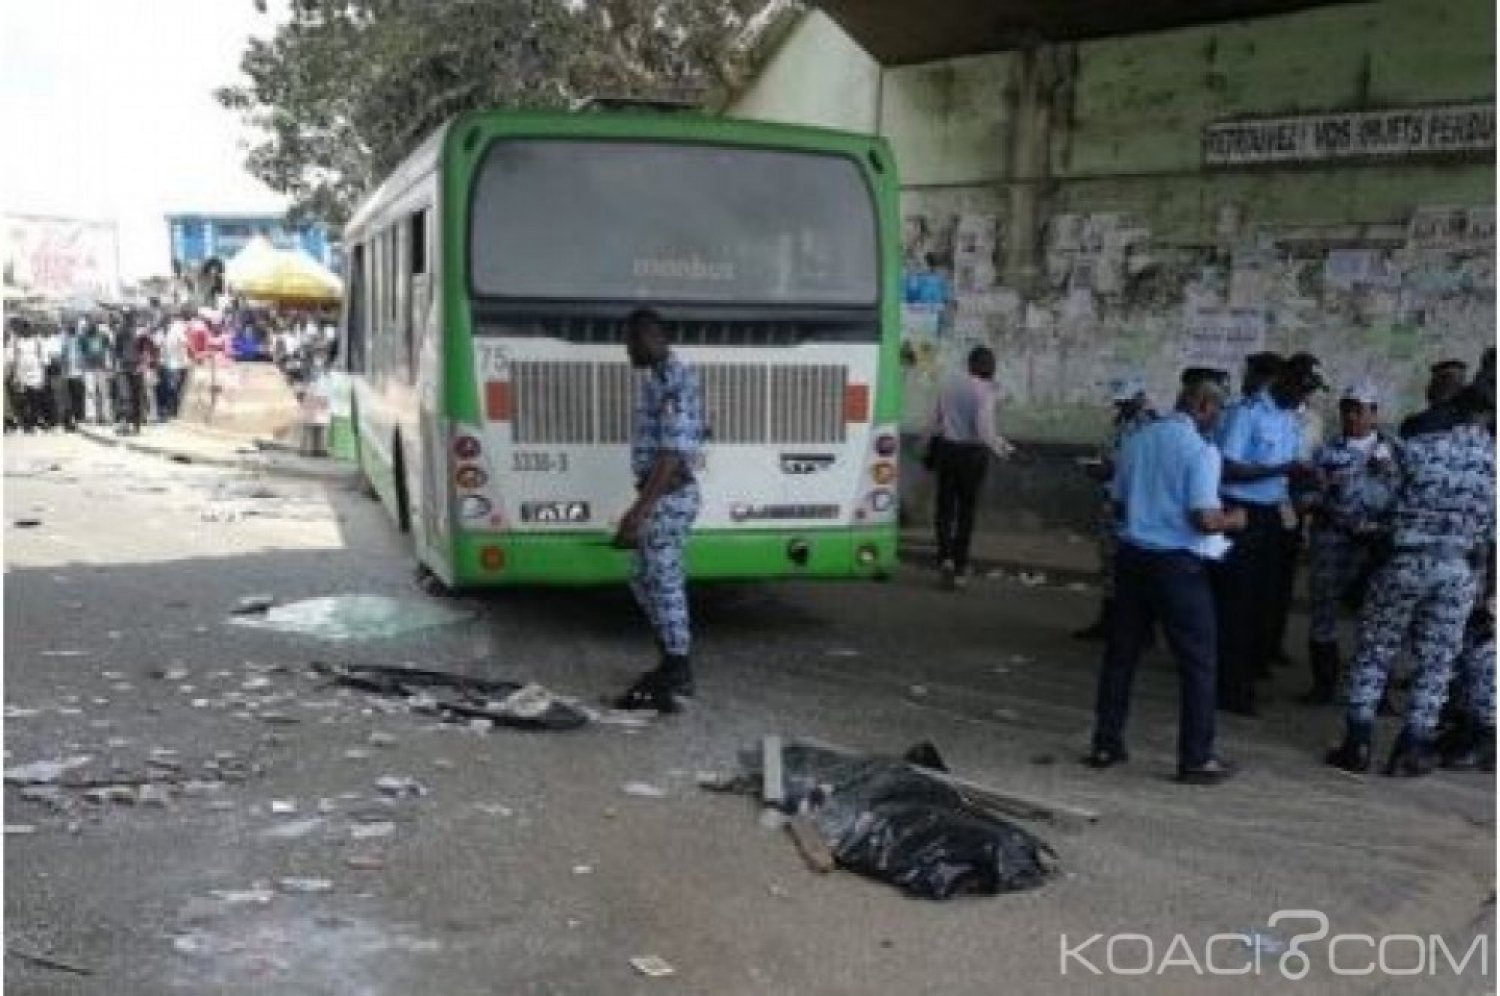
(33, 407)
(1247, 587)
(131, 404)
(77, 412)
(960, 469)
(1292, 542)
(1171, 588)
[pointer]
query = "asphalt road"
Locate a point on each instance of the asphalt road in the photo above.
(526, 867)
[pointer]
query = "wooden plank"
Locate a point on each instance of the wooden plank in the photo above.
(772, 782)
(810, 844)
(1015, 804)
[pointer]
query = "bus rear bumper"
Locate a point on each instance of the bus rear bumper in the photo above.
(495, 559)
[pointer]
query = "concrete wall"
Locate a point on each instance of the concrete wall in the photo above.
(1065, 191)
(816, 76)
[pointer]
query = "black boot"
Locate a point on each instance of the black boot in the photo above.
(1411, 756)
(1466, 746)
(1099, 628)
(677, 670)
(650, 691)
(1323, 659)
(1354, 753)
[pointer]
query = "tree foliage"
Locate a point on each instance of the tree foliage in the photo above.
(345, 88)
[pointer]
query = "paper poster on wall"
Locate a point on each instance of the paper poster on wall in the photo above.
(1222, 337)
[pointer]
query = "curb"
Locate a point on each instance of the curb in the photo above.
(334, 474)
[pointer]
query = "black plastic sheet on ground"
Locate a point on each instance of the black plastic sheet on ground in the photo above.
(886, 819)
(460, 697)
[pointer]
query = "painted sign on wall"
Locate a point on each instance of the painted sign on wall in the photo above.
(61, 257)
(1312, 137)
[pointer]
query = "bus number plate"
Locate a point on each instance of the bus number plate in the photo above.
(538, 462)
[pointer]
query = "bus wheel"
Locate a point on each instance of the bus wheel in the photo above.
(403, 506)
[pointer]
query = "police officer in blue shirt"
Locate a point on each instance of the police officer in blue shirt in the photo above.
(1261, 442)
(1166, 492)
(669, 431)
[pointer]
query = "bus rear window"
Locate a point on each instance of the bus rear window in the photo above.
(620, 221)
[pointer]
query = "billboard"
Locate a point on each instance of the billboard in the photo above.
(61, 257)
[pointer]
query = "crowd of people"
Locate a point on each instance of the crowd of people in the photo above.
(127, 367)
(1210, 509)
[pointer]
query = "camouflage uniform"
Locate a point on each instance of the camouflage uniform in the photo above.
(1443, 513)
(1356, 491)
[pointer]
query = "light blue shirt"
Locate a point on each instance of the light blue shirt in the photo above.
(1260, 432)
(1166, 471)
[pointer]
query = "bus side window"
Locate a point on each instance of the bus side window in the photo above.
(415, 316)
(356, 331)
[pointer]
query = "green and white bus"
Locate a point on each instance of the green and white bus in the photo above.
(488, 282)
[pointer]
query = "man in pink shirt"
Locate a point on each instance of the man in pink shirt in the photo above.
(961, 439)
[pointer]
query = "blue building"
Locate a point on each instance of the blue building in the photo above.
(197, 238)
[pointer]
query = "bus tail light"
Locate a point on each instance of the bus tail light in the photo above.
(467, 447)
(867, 555)
(498, 403)
(887, 444)
(492, 558)
(882, 500)
(856, 402)
(470, 477)
(883, 472)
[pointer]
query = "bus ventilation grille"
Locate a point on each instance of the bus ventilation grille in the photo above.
(579, 402)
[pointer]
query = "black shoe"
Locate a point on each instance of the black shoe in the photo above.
(650, 691)
(1211, 772)
(677, 672)
(1385, 707)
(1353, 754)
(1411, 756)
(1106, 757)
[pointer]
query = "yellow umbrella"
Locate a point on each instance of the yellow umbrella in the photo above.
(290, 277)
(253, 258)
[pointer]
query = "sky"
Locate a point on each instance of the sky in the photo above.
(109, 114)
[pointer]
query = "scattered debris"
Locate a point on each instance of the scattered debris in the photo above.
(154, 795)
(255, 894)
(503, 703)
(44, 772)
(400, 786)
(283, 806)
(47, 961)
(643, 790)
(371, 831)
(918, 690)
(842, 652)
(653, 966)
(378, 738)
(27, 523)
(19, 829)
(294, 829)
(65, 653)
(1032, 579)
(583, 869)
(252, 605)
(304, 885)
(365, 862)
(773, 790)
(353, 617)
